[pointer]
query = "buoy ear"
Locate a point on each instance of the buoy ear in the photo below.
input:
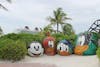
(28, 47)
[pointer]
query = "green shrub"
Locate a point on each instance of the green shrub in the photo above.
(28, 38)
(25, 37)
(98, 53)
(98, 36)
(59, 37)
(13, 46)
(12, 36)
(12, 50)
(72, 38)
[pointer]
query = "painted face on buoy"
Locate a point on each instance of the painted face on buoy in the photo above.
(49, 45)
(88, 45)
(63, 48)
(35, 49)
(82, 44)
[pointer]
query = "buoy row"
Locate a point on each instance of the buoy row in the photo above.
(85, 45)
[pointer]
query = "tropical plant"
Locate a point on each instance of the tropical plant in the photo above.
(1, 31)
(59, 18)
(67, 29)
(48, 28)
(61, 36)
(98, 39)
(98, 35)
(98, 53)
(12, 50)
(24, 37)
(28, 38)
(12, 36)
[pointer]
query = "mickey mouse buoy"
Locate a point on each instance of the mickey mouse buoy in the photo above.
(86, 44)
(64, 48)
(49, 45)
(35, 49)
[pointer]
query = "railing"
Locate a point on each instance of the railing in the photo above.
(95, 27)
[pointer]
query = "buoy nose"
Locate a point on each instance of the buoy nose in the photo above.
(37, 49)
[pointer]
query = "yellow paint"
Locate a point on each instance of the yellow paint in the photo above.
(80, 49)
(63, 53)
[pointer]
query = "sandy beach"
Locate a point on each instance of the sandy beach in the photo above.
(60, 61)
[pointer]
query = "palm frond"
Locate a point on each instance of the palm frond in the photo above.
(52, 20)
(66, 18)
(59, 18)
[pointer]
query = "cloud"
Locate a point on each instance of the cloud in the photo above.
(34, 13)
(82, 3)
(24, 11)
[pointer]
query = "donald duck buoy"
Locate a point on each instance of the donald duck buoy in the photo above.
(64, 48)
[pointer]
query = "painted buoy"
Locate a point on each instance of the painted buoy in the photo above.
(49, 45)
(86, 44)
(64, 48)
(35, 49)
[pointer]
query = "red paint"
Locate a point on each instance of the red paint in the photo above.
(45, 41)
(47, 49)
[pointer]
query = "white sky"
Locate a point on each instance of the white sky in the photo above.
(33, 13)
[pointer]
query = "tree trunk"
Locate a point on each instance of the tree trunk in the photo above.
(57, 27)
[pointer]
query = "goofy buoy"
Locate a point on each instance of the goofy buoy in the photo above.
(49, 45)
(86, 44)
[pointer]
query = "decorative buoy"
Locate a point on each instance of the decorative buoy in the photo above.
(35, 49)
(64, 48)
(49, 45)
(86, 44)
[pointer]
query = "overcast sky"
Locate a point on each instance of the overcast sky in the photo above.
(33, 13)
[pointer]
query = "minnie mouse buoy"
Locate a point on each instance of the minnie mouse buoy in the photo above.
(64, 48)
(35, 49)
(49, 45)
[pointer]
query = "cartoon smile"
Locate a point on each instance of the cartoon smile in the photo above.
(36, 54)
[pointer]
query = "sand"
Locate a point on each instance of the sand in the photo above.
(61, 61)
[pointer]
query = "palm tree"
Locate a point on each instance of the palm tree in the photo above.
(59, 18)
(67, 29)
(48, 28)
(3, 7)
(1, 31)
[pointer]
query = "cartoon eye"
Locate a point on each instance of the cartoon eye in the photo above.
(81, 40)
(51, 44)
(38, 47)
(66, 48)
(34, 47)
(60, 48)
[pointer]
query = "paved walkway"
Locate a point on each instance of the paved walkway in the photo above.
(56, 61)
